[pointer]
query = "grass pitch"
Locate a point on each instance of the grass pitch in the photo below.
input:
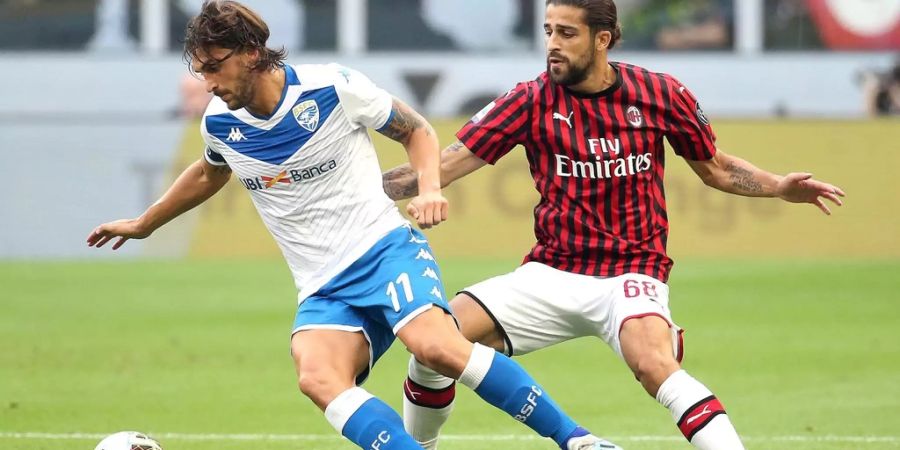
(803, 354)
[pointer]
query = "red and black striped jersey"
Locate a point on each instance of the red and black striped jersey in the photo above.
(597, 162)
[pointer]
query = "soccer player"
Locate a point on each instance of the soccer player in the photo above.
(593, 134)
(296, 138)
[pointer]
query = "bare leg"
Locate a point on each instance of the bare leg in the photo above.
(648, 351)
(434, 339)
(327, 363)
(429, 396)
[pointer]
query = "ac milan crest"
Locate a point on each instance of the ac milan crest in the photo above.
(634, 116)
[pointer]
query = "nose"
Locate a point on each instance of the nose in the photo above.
(552, 43)
(211, 85)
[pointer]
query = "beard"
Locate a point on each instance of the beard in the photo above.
(242, 94)
(235, 103)
(572, 73)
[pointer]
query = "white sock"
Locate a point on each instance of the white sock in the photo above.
(479, 364)
(427, 402)
(698, 413)
(340, 409)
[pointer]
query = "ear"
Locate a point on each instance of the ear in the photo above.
(602, 40)
(252, 57)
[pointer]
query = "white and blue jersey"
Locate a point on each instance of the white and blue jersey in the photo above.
(314, 177)
(311, 168)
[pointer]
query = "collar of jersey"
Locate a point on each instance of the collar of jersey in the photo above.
(604, 93)
(291, 83)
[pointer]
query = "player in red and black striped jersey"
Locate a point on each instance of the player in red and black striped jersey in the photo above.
(593, 133)
(597, 160)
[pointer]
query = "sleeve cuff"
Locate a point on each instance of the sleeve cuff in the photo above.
(214, 158)
(387, 122)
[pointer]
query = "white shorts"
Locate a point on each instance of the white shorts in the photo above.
(537, 306)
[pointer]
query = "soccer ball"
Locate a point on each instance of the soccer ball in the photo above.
(128, 440)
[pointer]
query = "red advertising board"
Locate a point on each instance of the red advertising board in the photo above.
(856, 24)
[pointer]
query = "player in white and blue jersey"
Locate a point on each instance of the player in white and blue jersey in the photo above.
(296, 138)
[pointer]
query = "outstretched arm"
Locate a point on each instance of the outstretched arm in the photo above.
(456, 162)
(429, 207)
(194, 186)
(736, 176)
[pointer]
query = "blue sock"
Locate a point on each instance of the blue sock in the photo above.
(373, 425)
(507, 386)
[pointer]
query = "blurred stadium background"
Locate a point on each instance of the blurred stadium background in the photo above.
(791, 316)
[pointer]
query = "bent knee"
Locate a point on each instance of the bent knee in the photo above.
(433, 354)
(312, 383)
(653, 366)
(446, 358)
(322, 386)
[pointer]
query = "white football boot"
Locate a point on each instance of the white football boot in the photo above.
(591, 442)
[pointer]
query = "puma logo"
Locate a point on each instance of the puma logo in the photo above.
(698, 415)
(567, 120)
(413, 395)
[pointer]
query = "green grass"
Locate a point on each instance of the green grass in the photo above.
(794, 349)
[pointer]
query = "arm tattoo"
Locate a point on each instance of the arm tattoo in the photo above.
(400, 183)
(405, 122)
(743, 179)
(454, 147)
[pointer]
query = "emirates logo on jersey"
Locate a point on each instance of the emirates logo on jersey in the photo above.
(609, 161)
(634, 117)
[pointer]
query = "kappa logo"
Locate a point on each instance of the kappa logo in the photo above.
(307, 114)
(236, 135)
(430, 273)
(423, 254)
(567, 120)
(344, 72)
(437, 293)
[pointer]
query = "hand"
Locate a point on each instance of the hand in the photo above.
(124, 229)
(801, 188)
(428, 209)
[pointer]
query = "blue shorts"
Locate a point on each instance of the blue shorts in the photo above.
(391, 284)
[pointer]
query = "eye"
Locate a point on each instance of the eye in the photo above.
(196, 73)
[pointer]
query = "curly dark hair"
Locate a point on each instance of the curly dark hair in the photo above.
(600, 15)
(230, 25)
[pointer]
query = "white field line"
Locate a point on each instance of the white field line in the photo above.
(448, 437)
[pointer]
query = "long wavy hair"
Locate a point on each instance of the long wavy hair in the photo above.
(230, 25)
